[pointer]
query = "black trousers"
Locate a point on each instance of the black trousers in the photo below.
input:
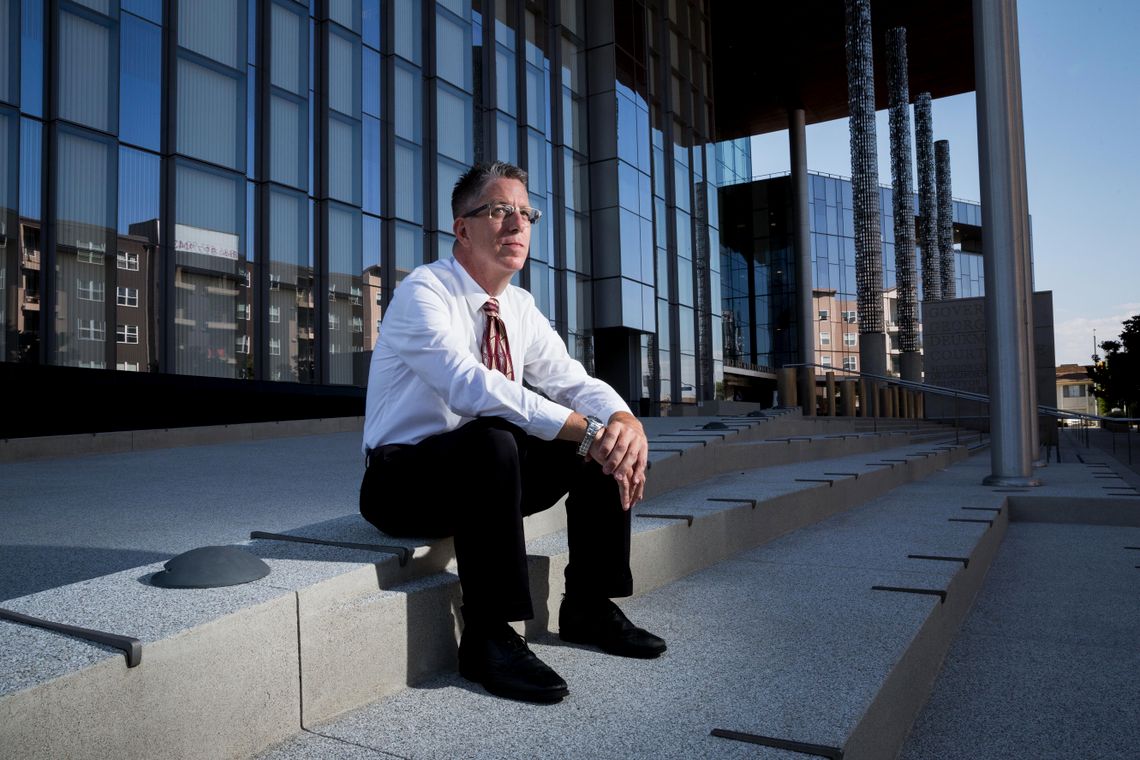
(476, 483)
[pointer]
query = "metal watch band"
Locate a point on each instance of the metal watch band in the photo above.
(593, 425)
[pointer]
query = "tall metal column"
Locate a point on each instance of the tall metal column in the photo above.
(1005, 239)
(801, 240)
(865, 188)
(927, 199)
(898, 88)
(945, 219)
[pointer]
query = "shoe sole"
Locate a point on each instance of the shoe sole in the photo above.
(638, 654)
(547, 697)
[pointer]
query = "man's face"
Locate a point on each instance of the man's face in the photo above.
(496, 247)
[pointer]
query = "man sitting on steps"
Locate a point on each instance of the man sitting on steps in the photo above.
(457, 445)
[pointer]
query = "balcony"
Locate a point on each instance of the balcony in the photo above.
(30, 259)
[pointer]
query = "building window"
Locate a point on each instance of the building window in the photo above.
(849, 339)
(127, 366)
(89, 329)
(128, 261)
(274, 281)
(127, 297)
(824, 315)
(1074, 391)
(334, 321)
(89, 290)
(849, 363)
(825, 360)
(242, 344)
(127, 334)
(358, 324)
(87, 256)
(274, 346)
(274, 314)
(825, 339)
(243, 312)
(849, 317)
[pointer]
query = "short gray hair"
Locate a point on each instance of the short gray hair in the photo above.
(470, 186)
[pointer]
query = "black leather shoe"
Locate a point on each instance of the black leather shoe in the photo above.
(499, 659)
(600, 623)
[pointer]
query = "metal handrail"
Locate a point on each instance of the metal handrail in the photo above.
(938, 390)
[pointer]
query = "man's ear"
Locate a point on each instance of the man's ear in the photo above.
(459, 227)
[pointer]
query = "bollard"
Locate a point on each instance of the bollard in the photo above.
(807, 381)
(865, 402)
(832, 404)
(884, 409)
(786, 387)
(847, 396)
(896, 410)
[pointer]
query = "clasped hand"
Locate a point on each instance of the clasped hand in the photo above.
(622, 450)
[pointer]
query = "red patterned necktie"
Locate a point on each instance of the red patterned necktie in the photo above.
(496, 349)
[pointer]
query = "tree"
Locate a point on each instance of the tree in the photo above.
(1117, 376)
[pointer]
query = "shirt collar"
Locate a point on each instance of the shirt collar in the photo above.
(472, 292)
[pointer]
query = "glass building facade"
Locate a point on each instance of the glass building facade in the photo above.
(233, 189)
(759, 291)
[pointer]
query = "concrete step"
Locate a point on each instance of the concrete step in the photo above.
(825, 640)
(332, 628)
(788, 641)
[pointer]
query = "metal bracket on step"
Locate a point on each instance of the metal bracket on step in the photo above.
(686, 518)
(819, 750)
(752, 502)
(904, 590)
(970, 520)
(401, 552)
(132, 648)
(829, 481)
(848, 474)
(964, 560)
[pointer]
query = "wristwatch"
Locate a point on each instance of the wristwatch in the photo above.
(593, 425)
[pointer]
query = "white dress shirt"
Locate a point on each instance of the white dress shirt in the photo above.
(427, 374)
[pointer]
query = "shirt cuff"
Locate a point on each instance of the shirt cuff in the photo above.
(549, 419)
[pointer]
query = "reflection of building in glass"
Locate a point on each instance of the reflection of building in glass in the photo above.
(294, 161)
(240, 199)
(759, 291)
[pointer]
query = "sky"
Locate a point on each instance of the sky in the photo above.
(1080, 76)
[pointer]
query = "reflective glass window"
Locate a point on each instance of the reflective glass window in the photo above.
(344, 73)
(289, 56)
(346, 13)
(32, 57)
(151, 10)
(87, 70)
(137, 261)
(12, 257)
(454, 123)
(9, 54)
(211, 123)
(86, 169)
(370, 103)
(408, 193)
(214, 29)
(506, 139)
(408, 30)
(409, 249)
(344, 159)
(291, 306)
(506, 79)
(345, 297)
(372, 137)
(370, 20)
(140, 83)
(289, 142)
(211, 278)
(408, 92)
(453, 41)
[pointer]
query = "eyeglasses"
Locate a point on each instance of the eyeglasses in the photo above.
(500, 211)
